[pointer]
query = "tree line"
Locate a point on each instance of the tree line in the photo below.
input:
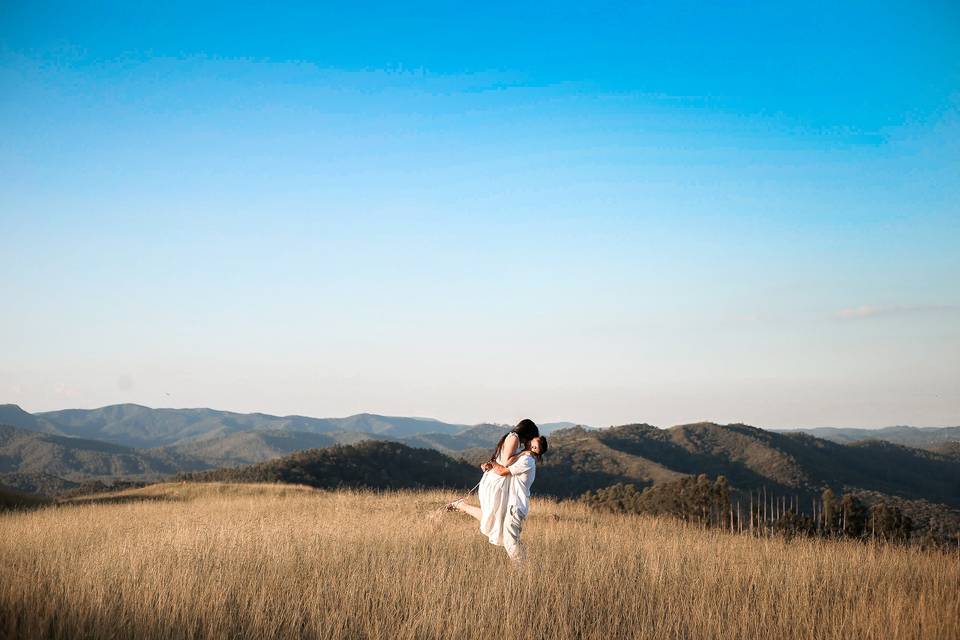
(711, 503)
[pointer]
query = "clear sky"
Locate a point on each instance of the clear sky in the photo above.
(605, 213)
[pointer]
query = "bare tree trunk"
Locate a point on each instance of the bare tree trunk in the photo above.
(764, 509)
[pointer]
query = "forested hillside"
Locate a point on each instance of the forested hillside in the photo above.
(373, 464)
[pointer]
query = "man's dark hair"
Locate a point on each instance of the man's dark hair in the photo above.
(543, 448)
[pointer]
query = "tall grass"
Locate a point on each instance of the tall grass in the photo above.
(219, 561)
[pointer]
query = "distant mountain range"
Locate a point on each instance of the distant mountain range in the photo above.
(936, 438)
(137, 426)
(784, 463)
(132, 425)
(135, 442)
(30, 452)
(52, 452)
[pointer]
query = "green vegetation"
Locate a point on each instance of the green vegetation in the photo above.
(74, 459)
(711, 503)
(372, 464)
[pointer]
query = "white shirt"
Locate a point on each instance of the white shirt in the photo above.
(522, 473)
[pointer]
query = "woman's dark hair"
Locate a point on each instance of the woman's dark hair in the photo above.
(526, 430)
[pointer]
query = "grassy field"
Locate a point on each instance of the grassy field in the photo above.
(219, 561)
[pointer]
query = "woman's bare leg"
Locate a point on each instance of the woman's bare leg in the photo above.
(469, 509)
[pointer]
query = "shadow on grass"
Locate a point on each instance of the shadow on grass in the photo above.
(11, 500)
(108, 499)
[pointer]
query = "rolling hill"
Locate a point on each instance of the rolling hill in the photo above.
(791, 464)
(12, 415)
(259, 445)
(133, 425)
(137, 426)
(373, 464)
(482, 436)
(917, 437)
(246, 447)
(28, 452)
(549, 427)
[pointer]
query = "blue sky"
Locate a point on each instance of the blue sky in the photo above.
(606, 214)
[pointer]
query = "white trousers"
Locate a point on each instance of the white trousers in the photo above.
(511, 534)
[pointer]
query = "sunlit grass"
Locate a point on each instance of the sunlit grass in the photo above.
(212, 560)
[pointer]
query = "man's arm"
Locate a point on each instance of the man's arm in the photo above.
(497, 468)
(513, 459)
(501, 470)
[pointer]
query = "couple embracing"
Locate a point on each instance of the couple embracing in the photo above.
(504, 490)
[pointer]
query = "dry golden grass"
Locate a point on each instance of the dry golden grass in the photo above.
(219, 561)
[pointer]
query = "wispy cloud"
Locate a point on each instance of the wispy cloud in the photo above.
(875, 311)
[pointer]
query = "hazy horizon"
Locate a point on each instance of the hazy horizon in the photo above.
(740, 213)
(489, 421)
